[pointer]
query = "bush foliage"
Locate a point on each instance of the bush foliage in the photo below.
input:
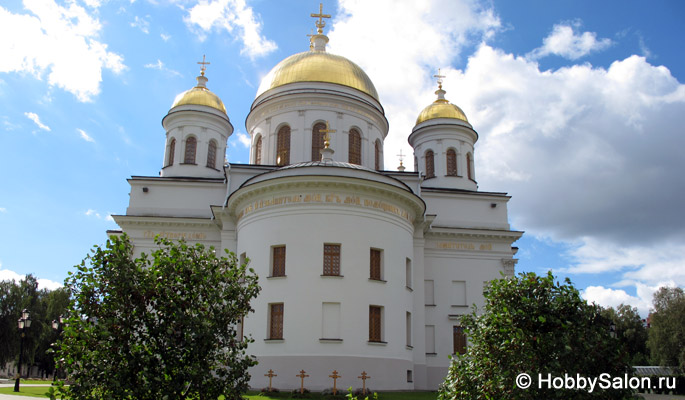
(160, 326)
(530, 324)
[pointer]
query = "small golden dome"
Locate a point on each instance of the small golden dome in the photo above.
(441, 108)
(318, 66)
(200, 96)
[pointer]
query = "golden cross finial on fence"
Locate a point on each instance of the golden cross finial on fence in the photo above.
(302, 375)
(270, 375)
(364, 377)
(335, 377)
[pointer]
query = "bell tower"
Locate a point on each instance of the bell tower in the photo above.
(197, 130)
(443, 141)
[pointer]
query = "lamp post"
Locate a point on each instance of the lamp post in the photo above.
(57, 326)
(23, 323)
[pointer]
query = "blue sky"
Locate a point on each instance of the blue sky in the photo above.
(579, 107)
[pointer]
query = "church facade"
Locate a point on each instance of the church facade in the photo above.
(362, 269)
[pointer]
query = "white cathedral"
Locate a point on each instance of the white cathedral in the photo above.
(362, 269)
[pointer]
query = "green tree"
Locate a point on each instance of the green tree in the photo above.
(160, 326)
(56, 303)
(666, 340)
(530, 324)
(15, 297)
(631, 331)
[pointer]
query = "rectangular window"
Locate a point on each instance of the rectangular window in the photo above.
(458, 340)
(278, 261)
(408, 271)
(430, 339)
(408, 329)
(376, 256)
(330, 321)
(276, 321)
(429, 292)
(331, 259)
(375, 323)
(410, 377)
(458, 293)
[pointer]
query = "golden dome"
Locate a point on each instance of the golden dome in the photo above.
(441, 108)
(318, 66)
(200, 96)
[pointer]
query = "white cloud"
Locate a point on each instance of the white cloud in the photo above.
(92, 213)
(644, 50)
(607, 297)
(92, 3)
(96, 214)
(590, 155)
(231, 15)
(165, 37)
(60, 41)
(592, 150)
(159, 65)
(36, 119)
(85, 136)
(141, 23)
(3, 210)
(7, 275)
(564, 42)
(244, 139)
(401, 61)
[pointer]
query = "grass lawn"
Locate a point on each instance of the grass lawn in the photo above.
(252, 395)
(35, 391)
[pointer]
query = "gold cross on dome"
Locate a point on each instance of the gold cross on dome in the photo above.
(440, 77)
(320, 23)
(204, 65)
(327, 137)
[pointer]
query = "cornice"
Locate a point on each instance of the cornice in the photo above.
(149, 221)
(289, 184)
(436, 232)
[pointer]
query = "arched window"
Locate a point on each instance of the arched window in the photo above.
(258, 151)
(430, 165)
(172, 150)
(355, 147)
(211, 154)
(377, 155)
(317, 141)
(469, 166)
(191, 147)
(283, 146)
(451, 162)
